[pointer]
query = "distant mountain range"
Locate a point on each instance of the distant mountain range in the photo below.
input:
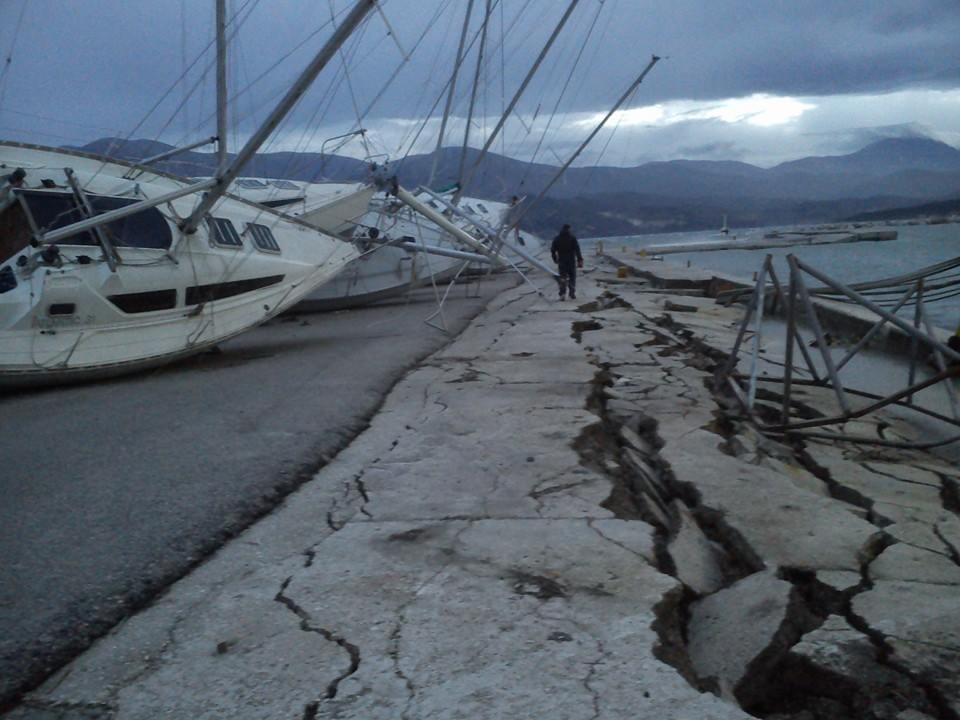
(654, 197)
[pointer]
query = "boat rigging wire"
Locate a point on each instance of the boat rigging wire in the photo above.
(183, 67)
(312, 127)
(436, 102)
(450, 92)
(8, 60)
(516, 97)
(473, 89)
(440, 10)
(346, 75)
(424, 90)
(201, 82)
(623, 98)
(603, 151)
(330, 95)
(172, 87)
(563, 90)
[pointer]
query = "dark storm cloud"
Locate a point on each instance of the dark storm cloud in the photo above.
(82, 69)
(736, 48)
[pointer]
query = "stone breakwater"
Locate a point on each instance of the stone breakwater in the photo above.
(557, 517)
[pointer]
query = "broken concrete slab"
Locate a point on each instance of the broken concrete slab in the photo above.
(908, 563)
(811, 532)
(698, 562)
(921, 623)
(738, 635)
(842, 663)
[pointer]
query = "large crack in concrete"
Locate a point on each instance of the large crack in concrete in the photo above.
(624, 447)
(763, 690)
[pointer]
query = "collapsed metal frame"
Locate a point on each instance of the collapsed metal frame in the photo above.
(795, 300)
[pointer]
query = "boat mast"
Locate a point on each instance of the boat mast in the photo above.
(451, 90)
(623, 98)
(221, 85)
(473, 92)
(227, 175)
(516, 98)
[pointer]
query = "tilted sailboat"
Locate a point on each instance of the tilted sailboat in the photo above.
(106, 267)
(400, 250)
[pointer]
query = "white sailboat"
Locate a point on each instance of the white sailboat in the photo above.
(106, 268)
(389, 265)
(400, 249)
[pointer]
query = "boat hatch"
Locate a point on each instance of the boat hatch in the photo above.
(197, 294)
(282, 202)
(252, 184)
(51, 210)
(285, 185)
(263, 237)
(223, 233)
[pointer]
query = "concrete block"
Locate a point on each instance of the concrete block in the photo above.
(738, 634)
(841, 663)
(909, 563)
(645, 472)
(697, 560)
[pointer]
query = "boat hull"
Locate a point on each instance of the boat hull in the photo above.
(385, 273)
(72, 317)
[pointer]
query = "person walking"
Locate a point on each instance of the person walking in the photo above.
(565, 251)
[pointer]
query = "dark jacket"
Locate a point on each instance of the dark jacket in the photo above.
(565, 249)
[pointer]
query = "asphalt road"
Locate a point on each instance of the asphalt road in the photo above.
(109, 491)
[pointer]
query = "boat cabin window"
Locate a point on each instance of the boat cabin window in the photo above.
(197, 294)
(252, 184)
(14, 235)
(55, 309)
(141, 302)
(54, 210)
(483, 208)
(263, 238)
(285, 185)
(8, 280)
(146, 229)
(223, 233)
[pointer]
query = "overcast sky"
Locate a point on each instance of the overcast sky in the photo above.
(760, 82)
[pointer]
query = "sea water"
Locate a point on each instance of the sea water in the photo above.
(916, 246)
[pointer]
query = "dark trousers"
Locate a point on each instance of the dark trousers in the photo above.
(568, 278)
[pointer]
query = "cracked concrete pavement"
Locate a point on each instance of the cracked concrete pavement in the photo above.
(555, 516)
